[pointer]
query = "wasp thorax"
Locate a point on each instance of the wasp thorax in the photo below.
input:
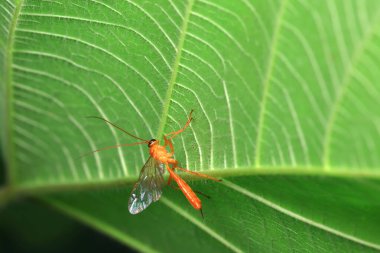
(151, 142)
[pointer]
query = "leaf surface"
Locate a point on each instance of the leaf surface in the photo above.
(277, 87)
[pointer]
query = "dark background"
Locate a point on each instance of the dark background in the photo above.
(30, 226)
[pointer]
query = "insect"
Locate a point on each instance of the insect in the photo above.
(148, 187)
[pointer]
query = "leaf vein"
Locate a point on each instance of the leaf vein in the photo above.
(298, 216)
(266, 82)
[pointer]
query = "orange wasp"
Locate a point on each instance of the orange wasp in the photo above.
(148, 187)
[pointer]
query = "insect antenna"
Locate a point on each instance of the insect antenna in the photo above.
(118, 145)
(110, 147)
(114, 125)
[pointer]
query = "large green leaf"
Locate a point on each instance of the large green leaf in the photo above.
(277, 87)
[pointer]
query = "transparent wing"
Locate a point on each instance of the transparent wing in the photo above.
(148, 188)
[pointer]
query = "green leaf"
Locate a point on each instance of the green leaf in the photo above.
(281, 88)
(264, 214)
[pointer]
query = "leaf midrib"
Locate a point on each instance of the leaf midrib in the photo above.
(175, 68)
(7, 133)
(266, 82)
(37, 189)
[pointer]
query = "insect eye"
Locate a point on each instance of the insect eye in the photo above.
(150, 143)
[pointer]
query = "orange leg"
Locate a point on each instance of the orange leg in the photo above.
(169, 142)
(171, 135)
(175, 163)
(169, 180)
(198, 174)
